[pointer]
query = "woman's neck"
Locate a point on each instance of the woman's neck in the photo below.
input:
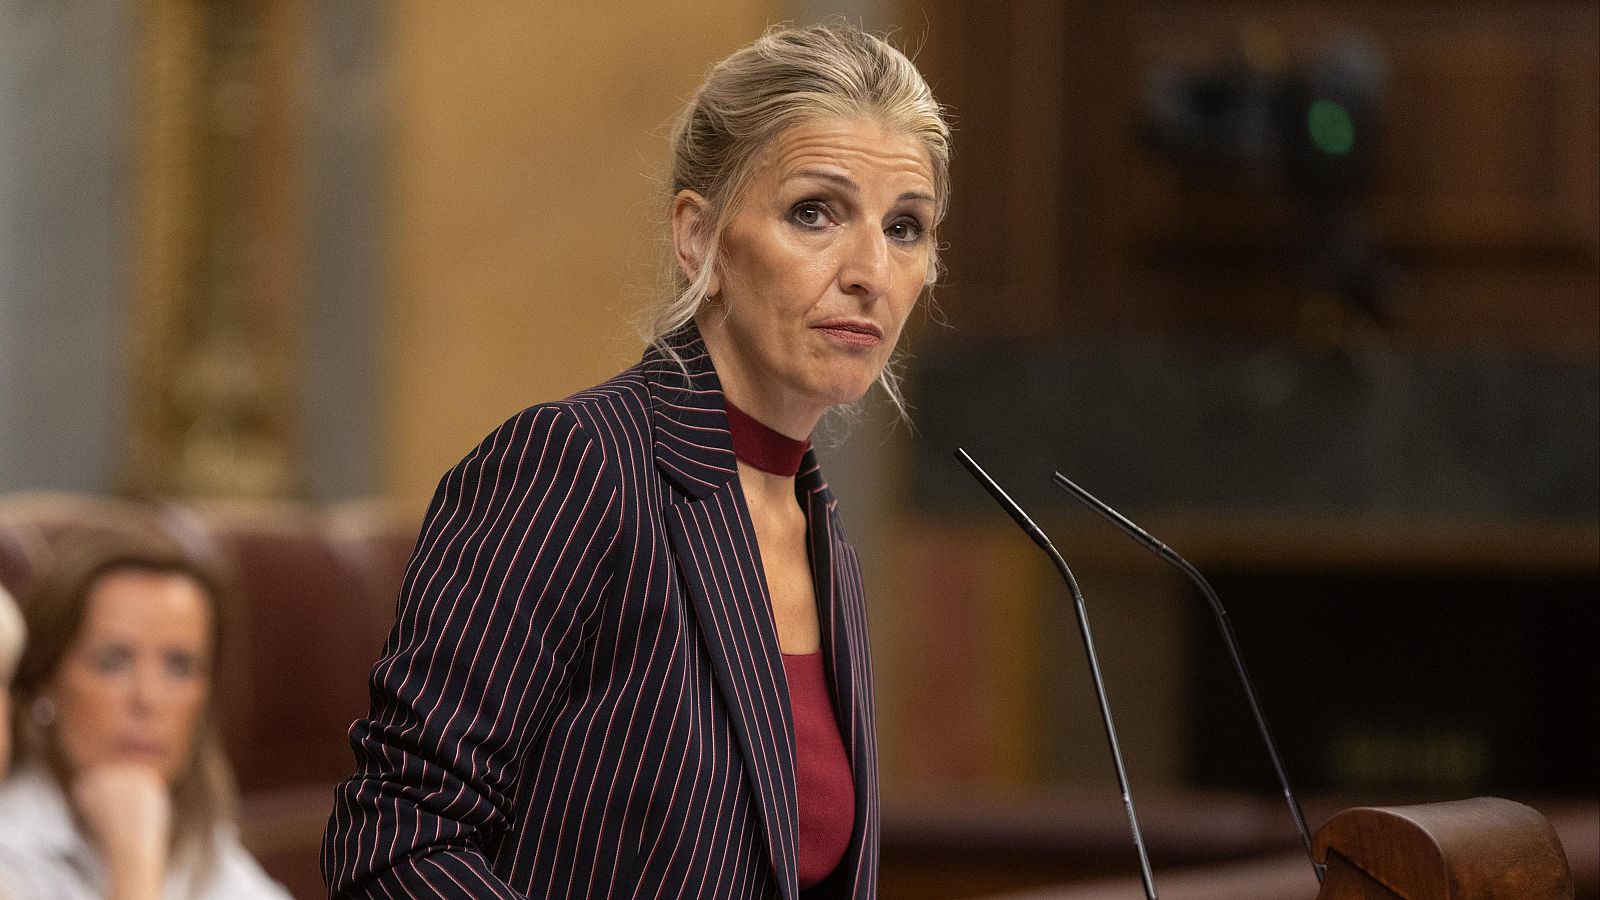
(768, 460)
(765, 489)
(762, 447)
(773, 407)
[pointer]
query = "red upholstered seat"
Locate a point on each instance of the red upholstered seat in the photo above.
(297, 668)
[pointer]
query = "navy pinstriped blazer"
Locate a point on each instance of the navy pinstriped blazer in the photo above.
(583, 694)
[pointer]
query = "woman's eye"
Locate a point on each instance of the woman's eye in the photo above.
(811, 215)
(111, 660)
(183, 665)
(905, 231)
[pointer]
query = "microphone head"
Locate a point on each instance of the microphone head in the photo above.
(1004, 499)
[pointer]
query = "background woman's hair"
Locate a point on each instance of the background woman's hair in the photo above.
(204, 795)
(11, 636)
(787, 77)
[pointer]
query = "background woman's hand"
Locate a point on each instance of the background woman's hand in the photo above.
(126, 811)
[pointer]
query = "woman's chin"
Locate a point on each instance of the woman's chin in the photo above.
(845, 394)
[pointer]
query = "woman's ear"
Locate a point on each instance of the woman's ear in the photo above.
(691, 214)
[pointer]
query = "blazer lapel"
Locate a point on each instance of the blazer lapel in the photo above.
(715, 547)
(841, 611)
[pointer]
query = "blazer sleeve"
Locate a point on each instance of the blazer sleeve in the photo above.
(499, 595)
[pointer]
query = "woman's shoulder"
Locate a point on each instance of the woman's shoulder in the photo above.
(238, 876)
(41, 853)
(609, 417)
(619, 406)
(33, 812)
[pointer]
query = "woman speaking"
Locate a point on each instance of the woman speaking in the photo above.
(630, 655)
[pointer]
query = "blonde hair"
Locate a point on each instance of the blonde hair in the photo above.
(12, 633)
(203, 794)
(787, 77)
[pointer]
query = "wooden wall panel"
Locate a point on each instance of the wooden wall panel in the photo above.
(1065, 222)
(1092, 281)
(527, 223)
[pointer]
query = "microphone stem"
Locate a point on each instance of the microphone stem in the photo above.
(1080, 609)
(1237, 658)
(1228, 638)
(1082, 614)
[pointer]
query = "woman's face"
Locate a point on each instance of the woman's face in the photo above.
(820, 268)
(134, 681)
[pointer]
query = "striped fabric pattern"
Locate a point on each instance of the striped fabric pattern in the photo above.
(583, 694)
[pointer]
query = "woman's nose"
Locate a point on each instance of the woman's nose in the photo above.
(149, 685)
(865, 268)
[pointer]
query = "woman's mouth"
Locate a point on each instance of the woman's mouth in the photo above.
(854, 333)
(140, 747)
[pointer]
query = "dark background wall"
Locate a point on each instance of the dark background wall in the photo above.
(1311, 290)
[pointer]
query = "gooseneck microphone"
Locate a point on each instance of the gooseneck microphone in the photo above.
(1171, 556)
(1034, 532)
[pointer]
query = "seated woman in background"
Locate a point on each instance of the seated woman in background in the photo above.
(122, 789)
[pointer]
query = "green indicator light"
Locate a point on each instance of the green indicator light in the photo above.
(1330, 127)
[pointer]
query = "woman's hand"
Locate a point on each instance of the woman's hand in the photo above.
(127, 812)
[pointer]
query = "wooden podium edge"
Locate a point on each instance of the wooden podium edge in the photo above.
(1478, 849)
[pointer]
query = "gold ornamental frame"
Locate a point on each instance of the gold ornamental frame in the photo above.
(217, 250)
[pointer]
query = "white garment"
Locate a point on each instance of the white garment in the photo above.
(44, 857)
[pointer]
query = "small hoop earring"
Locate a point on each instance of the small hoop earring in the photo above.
(44, 712)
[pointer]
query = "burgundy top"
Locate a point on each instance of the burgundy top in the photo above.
(823, 779)
(822, 771)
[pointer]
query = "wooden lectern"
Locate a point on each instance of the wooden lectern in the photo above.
(1464, 850)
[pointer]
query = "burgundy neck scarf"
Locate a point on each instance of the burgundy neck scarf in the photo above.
(757, 445)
